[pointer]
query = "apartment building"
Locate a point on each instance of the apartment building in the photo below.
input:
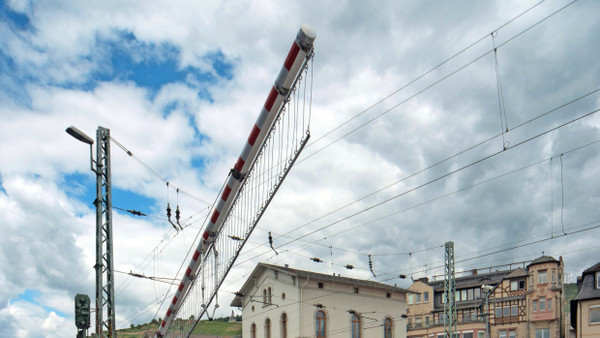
(522, 300)
(278, 301)
(585, 307)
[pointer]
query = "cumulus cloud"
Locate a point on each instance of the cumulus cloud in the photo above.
(104, 64)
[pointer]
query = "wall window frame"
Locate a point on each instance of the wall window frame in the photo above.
(320, 324)
(356, 326)
(284, 322)
(542, 276)
(267, 327)
(388, 325)
(594, 315)
(542, 333)
(542, 303)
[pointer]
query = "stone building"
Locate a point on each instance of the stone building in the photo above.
(524, 300)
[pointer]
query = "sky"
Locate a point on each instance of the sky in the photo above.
(471, 122)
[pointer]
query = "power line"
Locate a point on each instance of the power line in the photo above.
(423, 75)
(434, 83)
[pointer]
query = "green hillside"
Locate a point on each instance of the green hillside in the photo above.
(221, 328)
(570, 293)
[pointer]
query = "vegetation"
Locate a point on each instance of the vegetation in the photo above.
(219, 327)
(570, 293)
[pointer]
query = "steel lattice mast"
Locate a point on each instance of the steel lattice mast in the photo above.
(105, 295)
(295, 62)
(450, 317)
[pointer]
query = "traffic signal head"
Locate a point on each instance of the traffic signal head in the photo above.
(82, 311)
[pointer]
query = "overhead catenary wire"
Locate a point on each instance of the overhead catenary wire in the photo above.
(411, 82)
(437, 198)
(433, 84)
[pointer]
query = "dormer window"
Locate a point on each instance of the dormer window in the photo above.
(598, 280)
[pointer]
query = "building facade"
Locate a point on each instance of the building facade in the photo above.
(585, 307)
(278, 301)
(525, 301)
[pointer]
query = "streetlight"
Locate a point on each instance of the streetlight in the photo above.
(105, 295)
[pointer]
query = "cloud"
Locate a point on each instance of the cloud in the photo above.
(181, 85)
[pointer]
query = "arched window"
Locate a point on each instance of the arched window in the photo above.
(267, 328)
(387, 328)
(320, 320)
(356, 326)
(264, 296)
(283, 325)
(269, 299)
(253, 331)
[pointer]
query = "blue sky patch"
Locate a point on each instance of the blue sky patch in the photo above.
(16, 20)
(32, 296)
(152, 65)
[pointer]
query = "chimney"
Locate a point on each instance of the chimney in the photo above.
(286, 266)
(474, 272)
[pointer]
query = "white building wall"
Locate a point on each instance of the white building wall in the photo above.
(299, 305)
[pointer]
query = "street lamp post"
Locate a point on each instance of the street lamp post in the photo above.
(104, 246)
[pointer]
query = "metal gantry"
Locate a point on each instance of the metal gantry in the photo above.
(450, 317)
(105, 283)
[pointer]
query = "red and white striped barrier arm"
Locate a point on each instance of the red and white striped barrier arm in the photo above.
(299, 51)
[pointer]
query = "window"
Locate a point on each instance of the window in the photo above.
(463, 294)
(534, 305)
(514, 285)
(320, 285)
(253, 331)
(595, 314)
(410, 299)
(355, 290)
(269, 298)
(320, 320)
(388, 295)
(264, 296)
(532, 280)
(542, 304)
(283, 325)
(514, 310)
(508, 333)
(387, 328)
(553, 276)
(426, 297)
(549, 303)
(522, 284)
(542, 276)
(477, 292)
(267, 328)
(470, 294)
(480, 334)
(598, 280)
(426, 320)
(498, 312)
(418, 321)
(356, 326)
(418, 298)
(542, 333)
(506, 312)
(467, 334)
